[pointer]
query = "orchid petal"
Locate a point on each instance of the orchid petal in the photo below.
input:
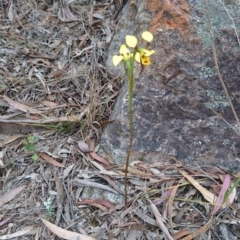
(137, 57)
(146, 52)
(147, 36)
(146, 61)
(124, 50)
(131, 41)
(117, 59)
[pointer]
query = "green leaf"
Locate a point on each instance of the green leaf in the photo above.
(32, 139)
(3, 86)
(34, 156)
(30, 147)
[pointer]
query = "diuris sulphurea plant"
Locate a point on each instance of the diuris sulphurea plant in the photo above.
(128, 58)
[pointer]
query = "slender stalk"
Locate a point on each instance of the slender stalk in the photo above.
(130, 69)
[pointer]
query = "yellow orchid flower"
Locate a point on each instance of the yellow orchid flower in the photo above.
(125, 55)
(143, 56)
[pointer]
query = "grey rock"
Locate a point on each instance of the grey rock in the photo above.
(176, 98)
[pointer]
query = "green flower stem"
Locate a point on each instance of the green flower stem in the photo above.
(129, 67)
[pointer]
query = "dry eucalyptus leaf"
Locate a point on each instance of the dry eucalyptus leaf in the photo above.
(22, 232)
(83, 146)
(210, 197)
(8, 196)
(50, 160)
(62, 233)
(10, 13)
(68, 170)
(20, 106)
